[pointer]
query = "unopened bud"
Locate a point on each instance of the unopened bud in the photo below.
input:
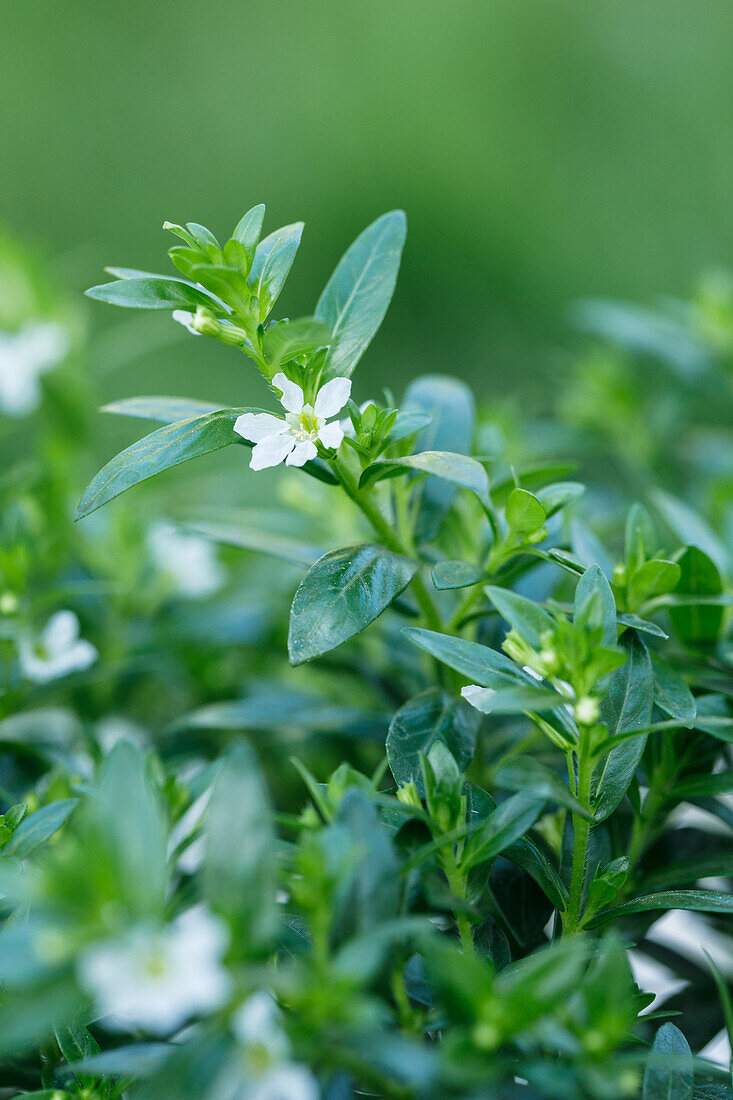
(586, 710)
(8, 603)
(408, 795)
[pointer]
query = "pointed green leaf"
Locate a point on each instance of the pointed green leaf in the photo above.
(345, 591)
(421, 722)
(271, 265)
(465, 472)
(153, 292)
(162, 449)
(356, 297)
(248, 230)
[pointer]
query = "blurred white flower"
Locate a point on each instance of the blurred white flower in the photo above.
(24, 356)
(186, 319)
(157, 978)
(268, 1072)
(113, 728)
(58, 651)
(294, 438)
(188, 560)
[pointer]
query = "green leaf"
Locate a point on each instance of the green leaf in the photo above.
(627, 705)
(455, 574)
(640, 537)
(690, 527)
(502, 828)
(449, 404)
(655, 578)
(287, 339)
(153, 292)
(697, 623)
(724, 996)
(703, 786)
(669, 1069)
(239, 862)
(407, 423)
(271, 265)
(342, 594)
(593, 585)
(524, 513)
(626, 619)
(166, 447)
(557, 496)
(248, 230)
(478, 663)
(524, 773)
(38, 827)
(356, 297)
(522, 614)
(525, 854)
(671, 693)
(167, 410)
(465, 472)
(512, 700)
(418, 724)
(699, 901)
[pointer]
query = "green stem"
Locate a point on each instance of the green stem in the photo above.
(581, 833)
(365, 502)
(457, 884)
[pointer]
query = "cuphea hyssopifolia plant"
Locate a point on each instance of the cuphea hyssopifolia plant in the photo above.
(579, 673)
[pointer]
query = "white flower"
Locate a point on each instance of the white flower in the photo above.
(157, 978)
(186, 319)
(57, 652)
(294, 438)
(24, 356)
(268, 1072)
(188, 560)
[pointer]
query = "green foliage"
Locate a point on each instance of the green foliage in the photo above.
(503, 757)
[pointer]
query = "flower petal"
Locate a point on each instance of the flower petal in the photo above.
(256, 426)
(331, 435)
(332, 397)
(60, 633)
(186, 319)
(292, 399)
(302, 453)
(271, 450)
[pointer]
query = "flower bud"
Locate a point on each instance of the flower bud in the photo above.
(586, 710)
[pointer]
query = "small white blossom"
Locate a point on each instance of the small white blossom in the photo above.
(268, 1072)
(157, 978)
(186, 319)
(24, 356)
(293, 439)
(58, 651)
(188, 560)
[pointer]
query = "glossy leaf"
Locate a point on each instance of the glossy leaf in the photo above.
(342, 593)
(524, 513)
(698, 901)
(166, 410)
(166, 447)
(153, 292)
(522, 614)
(524, 773)
(669, 1070)
(35, 829)
(503, 827)
(512, 700)
(418, 724)
(450, 405)
(478, 663)
(288, 339)
(593, 585)
(456, 574)
(465, 472)
(697, 623)
(248, 230)
(271, 265)
(356, 297)
(627, 705)
(671, 693)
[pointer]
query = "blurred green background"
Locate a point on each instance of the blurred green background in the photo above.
(542, 150)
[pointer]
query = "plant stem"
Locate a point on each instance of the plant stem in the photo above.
(581, 833)
(365, 502)
(457, 884)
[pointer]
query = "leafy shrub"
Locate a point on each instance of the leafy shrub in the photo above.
(459, 916)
